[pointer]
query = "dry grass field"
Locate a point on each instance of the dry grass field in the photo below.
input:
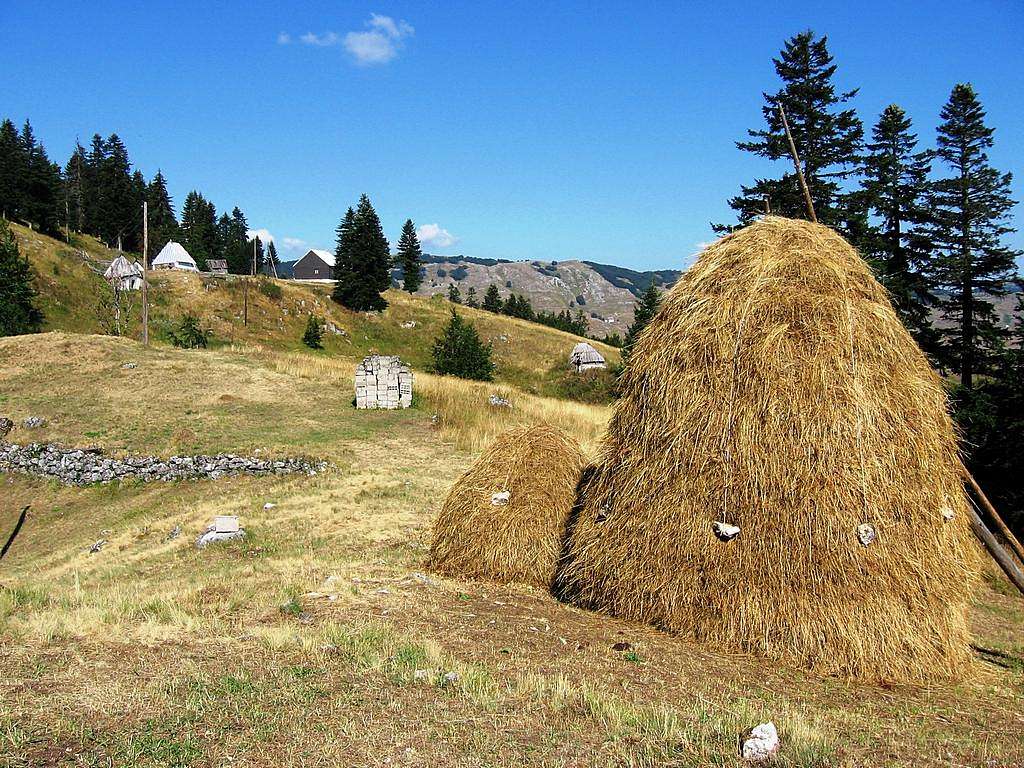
(321, 639)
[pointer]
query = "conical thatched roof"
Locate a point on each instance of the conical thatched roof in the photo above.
(584, 355)
(776, 392)
(505, 519)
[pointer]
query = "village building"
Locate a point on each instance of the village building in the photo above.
(124, 275)
(317, 264)
(174, 256)
(584, 358)
(217, 266)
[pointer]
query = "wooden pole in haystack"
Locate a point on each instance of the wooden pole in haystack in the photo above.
(1003, 528)
(1013, 573)
(799, 168)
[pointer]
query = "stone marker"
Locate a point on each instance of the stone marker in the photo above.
(760, 743)
(383, 381)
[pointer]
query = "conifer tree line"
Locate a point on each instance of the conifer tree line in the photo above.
(98, 192)
(932, 221)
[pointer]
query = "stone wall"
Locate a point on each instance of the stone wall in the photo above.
(383, 381)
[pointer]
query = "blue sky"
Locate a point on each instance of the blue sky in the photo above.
(525, 131)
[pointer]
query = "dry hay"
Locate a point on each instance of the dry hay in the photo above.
(521, 540)
(776, 390)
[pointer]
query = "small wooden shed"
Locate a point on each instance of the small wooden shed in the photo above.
(584, 358)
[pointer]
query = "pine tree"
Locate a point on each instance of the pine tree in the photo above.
(343, 269)
(163, 225)
(41, 183)
(458, 351)
(74, 187)
(273, 262)
(471, 298)
(117, 213)
(234, 243)
(970, 212)
(314, 335)
(410, 257)
(454, 294)
(366, 270)
(827, 137)
(492, 299)
(895, 187)
(18, 311)
(13, 168)
(642, 314)
(199, 229)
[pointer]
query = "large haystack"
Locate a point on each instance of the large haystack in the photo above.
(777, 391)
(504, 520)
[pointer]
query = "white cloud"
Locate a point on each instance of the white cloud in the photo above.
(436, 236)
(380, 43)
(293, 243)
(325, 40)
(283, 38)
(263, 234)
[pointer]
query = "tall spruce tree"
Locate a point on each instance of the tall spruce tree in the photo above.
(117, 211)
(74, 187)
(272, 260)
(970, 214)
(41, 184)
(235, 245)
(471, 300)
(365, 259)
(492, 299)
(18, 310)
(163, 225)
(410, 256)
(199, 229)
(828, 138)
(644, 310)
(12, 171)
(895, 188)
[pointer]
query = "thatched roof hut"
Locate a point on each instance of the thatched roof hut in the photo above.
(505, 519)
(780, 474)
(124, 275)
(585, 357)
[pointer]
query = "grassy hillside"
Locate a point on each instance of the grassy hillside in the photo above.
(529, 356)
(321, 640)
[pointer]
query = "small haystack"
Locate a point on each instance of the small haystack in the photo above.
(504, 520)
(780, 474)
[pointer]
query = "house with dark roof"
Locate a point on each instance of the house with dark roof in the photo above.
(315, 265)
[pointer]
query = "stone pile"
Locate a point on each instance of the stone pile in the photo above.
(79, 467)
(383, 381)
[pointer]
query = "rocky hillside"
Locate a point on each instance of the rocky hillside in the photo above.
(605, 293)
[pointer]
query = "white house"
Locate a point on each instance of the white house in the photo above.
(174, 256)
(315, 265)
(584, 357)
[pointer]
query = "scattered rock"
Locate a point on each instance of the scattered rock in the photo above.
(499, 402)
(6, 425)
(501, 498)
(129, 365)
(622, 645)
(175, 533)
(269, 506)
(760, 743)
(33, 422)
(409, 324)
(725, 531)
(948, 513)
(420, 674)
(97, 546)
(212, 536)
(450, 678)
(84, 466)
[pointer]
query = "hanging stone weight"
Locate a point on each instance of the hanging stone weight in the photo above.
(866, 533)
(948, 513)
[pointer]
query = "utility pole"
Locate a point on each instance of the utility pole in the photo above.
(145, 279)
(796, 164)
(245, 302)
(67, 220)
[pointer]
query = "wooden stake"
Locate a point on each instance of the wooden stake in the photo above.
(245, 302)
(799, 169)
(1013, 573)
(1003, 529)
(145, 268)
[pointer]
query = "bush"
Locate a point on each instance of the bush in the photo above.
(189, 335)
(18, 310)
(314, 335)
(270, 289)
(458, 351)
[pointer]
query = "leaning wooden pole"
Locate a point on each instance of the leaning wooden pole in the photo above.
(1013, 573)
(799, 168)
(1003, 528)
(14, 533)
